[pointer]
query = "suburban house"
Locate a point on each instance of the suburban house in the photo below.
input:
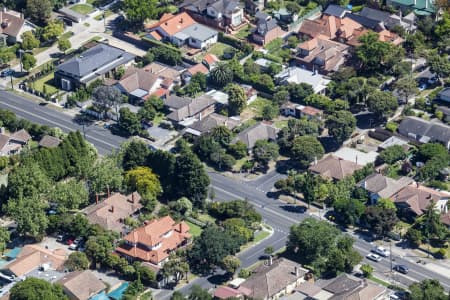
(227, 292)
(139, 84)
(260, 131)
(290, 109)
(111, 213)
(332, 167)
(380, 186)
(359, 157)
(197, 68)
(13, 25)
(32, 257)
(344, 286)
(419, 7)
(276, 279)
(444, 95)
(210, 61)
(424, 131)
(207, 124)
(389, 21)
(186, 111)
(222, 14)
(182, 30)
(81, 285)
(11, 144)
(298, 75)
(154, 241)
(254, 6)
(414, 199)
(321, 54)
(49, 141)
(336, 11)
(393, 141)
(266, 30)
(100, 61)
(166, 72)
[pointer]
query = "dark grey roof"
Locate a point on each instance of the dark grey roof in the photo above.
(417, 128)
(260, 15)
(342, 284)
(260, 131)
(445, 92)
(374, 14)
(444, 109)
(200, 6)
(176, 102)
(264, 26)
(427, 74)
(366, 22)
(225, 6)
(97, 59)
(335, 10)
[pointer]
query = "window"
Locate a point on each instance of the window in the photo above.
(66, 84)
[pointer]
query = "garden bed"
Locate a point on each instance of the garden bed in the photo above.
(47, 82)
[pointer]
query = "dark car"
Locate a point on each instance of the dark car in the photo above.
(401, 269)
(7, 72)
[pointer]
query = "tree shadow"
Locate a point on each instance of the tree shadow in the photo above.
(219, 279)
(298, 209)
(329, 143)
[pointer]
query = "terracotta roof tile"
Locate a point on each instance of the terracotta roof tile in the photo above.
(174, 24)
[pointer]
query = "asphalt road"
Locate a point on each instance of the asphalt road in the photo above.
(101, 138)
(276, 214)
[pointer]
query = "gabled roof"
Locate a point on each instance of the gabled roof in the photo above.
(21, 136)
(334, 168)
(81, 285)
(11, 23)
(210, 59)
(335, 10)
(424, 131)
(212, 121)
(384, 186)
(135, 79)
(260, 131)
(198, 68)
(374, 14)
(96, 59)
(326, 26)
(267, 281)
(366, 22)
(418, 197)
(172, 24)
(191, 109)
(49, 141)
(265, 26)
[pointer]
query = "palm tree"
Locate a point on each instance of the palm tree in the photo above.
(221, 75)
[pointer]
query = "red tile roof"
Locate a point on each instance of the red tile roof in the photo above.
(225, 292)
(210, 59)
(198, 68)
(172, 24)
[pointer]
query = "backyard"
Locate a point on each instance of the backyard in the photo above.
(244, 32)
(218, 49)
(83, 9)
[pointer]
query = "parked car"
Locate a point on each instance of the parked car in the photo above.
(7, 72)
(373, 257)
(73, 246)
(60, 238)
(401, 269)
(77, 240)
(381, 251)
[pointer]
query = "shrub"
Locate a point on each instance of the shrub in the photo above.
(244, 273)
(441, 253)
(367, 270)
(391, 126)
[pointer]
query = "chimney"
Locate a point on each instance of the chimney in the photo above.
(108, 190)
(96, 198)
(132, 197)
(315, 160)
(181, 20)
(112, 208)
(417, 184)
(2, 130)
(296, 272)
(426, 4)
(356, 160)
(270, 260)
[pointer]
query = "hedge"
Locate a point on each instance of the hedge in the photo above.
(155, 43)
(238, 44)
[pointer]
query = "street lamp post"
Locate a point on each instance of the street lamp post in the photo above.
(21, 55)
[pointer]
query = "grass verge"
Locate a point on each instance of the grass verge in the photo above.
(83, 9)
(194, 229)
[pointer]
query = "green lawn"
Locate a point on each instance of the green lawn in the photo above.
(244, 32)
(107, 14)
(280, 124)
(66, 35)
(205, 218)
(158, 118)
(218, 49)
(83, 9)
(194, 229)
(258, 105)
(261, 235)
(46, 81)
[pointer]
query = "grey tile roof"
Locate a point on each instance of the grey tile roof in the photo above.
(95, 59)
(263, 26)
(445, 92)
(49, 141)
(335, 10)
(212, 121)
(417, 128)
(384, 186)
(366, 22)
(199, 32)
(194, 107)
(260, 131)
(176, 102)
(374, 14)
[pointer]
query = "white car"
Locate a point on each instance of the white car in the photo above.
(381, 251)
(73, 246)
(373, 257)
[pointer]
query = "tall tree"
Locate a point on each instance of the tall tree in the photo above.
(64, 45)
(137, 11)
(27, 180)
(306, 149)
(107, 97)
(382, 103)
(380, 220)
(36, 289)
(77, 261)
(406, 87)
(129, 121)
(105, 174)
(68, 195)
(29, 41)
(28, 61)
(427, 289)
(134, 154)
(341, 125)
(39, 11)
(143, 180)
(231, 263)
(237, 100)
(265, 151)
(4, 239)
(190, 179)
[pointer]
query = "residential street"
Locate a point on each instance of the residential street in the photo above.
(275, 213)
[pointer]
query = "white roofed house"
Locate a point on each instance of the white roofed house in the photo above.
(298, 75)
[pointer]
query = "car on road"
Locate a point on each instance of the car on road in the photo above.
(381, 251)
(401, 269)
(374, 257)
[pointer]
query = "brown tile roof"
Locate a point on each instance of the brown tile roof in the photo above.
(81, 285)
(418, 197)
(260, 131)
(174, 24)
(163, 232)
(156, 35)
(212, 121)
(4, 139)
(198, 68)
(135, 78)
(267, 281)
(194, 107)
(311, 111)
(13, 23)
(163, 71)
(226, 292)
(111, 212)
(49, 141)
(326, 26)
(384, 186)
(334, 168)
(32, 257)
(324, 52)
(210, 59)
